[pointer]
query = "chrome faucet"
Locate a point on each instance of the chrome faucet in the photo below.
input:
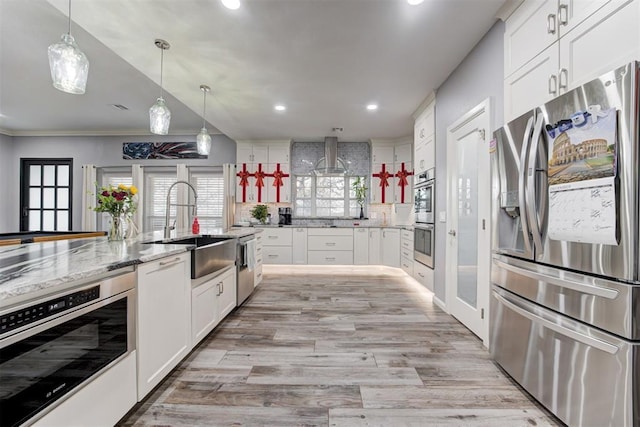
(167, 227)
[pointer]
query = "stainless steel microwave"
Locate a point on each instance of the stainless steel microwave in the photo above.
(424, 197)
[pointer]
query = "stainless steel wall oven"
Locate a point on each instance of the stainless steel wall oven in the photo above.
(51, 347)
(424, 244)
(424, 197)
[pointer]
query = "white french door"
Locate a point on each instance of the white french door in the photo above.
(468, 204)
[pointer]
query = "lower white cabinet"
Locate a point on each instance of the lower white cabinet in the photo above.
(406, 251)
(257, 271)
(102, 402)
(213, 297)
(330, 246)
(276, 254)
(361, 246)
(276, 245)
(423, 274)
(299, 246)
(375, 246)
(391, 247)
(163, 318)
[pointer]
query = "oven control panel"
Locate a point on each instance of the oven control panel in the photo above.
(34, 313)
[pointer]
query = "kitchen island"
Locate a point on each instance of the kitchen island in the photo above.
(32, 270)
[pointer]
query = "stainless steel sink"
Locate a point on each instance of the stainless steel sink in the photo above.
(210, 254)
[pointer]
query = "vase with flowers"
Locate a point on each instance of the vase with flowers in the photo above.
(120, 203)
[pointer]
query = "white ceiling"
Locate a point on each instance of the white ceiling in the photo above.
(324, 59)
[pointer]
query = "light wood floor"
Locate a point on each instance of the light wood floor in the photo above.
(347, 346)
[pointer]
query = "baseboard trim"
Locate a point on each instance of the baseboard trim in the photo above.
(440, 303)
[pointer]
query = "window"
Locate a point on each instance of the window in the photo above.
(325, 196)
(210, 188)
(156, 186)
(46, 194)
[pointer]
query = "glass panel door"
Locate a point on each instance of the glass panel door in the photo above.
(46, 194)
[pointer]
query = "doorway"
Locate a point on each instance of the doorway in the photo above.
(45, 194)
(468, 246)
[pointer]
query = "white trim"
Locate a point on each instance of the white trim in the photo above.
(507, 9)
(437, 301)
(431, 97)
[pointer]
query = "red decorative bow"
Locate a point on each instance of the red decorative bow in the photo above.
(384, 177)
(402, 174)
(244, 177)
(259, 178)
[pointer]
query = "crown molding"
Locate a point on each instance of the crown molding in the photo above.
(431, 97)
(507, 9)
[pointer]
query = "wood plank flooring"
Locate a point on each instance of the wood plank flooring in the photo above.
(346, 346)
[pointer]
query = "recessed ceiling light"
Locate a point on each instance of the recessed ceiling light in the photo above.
(280, 107)
(231, 4)
(372, 107)
(411, 2)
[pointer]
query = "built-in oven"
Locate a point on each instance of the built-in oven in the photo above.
(51, 347)
(424, 244)
(424, 197)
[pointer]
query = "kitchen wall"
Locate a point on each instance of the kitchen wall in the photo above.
(8, 182)
(479, 76)
(96, 150)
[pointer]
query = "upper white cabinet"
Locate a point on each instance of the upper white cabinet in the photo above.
(263, 172)
(392, 172)
(554, 46)
(423, 139)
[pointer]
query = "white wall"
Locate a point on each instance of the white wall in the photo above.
(479, 76)
(7, 177)
(97, 150)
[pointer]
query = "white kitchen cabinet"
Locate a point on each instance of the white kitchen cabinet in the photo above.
(375, 246)
(213, 297)
(604, 41)
(256, 161)
(257, 271)
(589, 38)
(277, 245)
(299, 247)
(391, 247)
(330, 246)
(382, 154)
(406, 251)
(532, 85)
(163, 318)
(403, 153)
(403, 189)
(423, 274)
(382, 183)
(423, 140)
(361, 246)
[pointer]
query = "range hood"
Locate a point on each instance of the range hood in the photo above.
(330, 164)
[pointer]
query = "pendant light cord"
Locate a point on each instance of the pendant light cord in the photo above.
(204, 108)
(69, 32)
(161, 68)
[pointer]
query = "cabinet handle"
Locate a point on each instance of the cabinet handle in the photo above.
(553, 87)
(273, 256)
(330, 243)
(273, 237)
(551, 22)
(330, 258)
(563, 19)
(421, 275)
(422, 133)
(563, 72)
(219, 291)
(165, 263)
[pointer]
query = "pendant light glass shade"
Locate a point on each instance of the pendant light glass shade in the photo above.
(204, 139)
(69, 66)
(159, 114)
(159, 117)
(204, 142)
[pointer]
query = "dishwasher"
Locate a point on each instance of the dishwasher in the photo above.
(245, 264)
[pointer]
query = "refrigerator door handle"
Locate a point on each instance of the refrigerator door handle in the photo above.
(532, 214)
(576, 336)
(522, 201)
(598, 291)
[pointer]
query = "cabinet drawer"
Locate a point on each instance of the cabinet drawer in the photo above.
(407, 265)
(406, 253)
(423, 274)
(330, 257)
(324, 231)
(406, 235)
(338, 243)
(276, 255)
(277, 237)
(406, 244)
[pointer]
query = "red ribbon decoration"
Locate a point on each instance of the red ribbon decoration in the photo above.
(384, 176)
(403, 182)
(244, 181)
(259, 174)
(278, 181)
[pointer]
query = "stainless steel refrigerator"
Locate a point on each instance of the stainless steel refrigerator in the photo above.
(565, 295)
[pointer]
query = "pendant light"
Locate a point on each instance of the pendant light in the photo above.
(159, 114)
(204, 139)
(69, 66)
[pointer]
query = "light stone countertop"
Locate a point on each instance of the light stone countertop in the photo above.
(32, 270)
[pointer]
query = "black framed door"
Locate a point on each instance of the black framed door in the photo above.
(46, 189)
